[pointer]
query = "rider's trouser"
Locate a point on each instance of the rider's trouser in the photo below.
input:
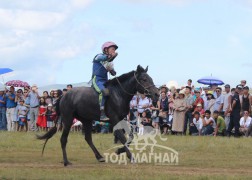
(98, 84)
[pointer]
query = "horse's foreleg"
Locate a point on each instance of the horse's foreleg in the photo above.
(88, 137)
(119, 134)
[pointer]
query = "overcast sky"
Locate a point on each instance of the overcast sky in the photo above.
(54, 41)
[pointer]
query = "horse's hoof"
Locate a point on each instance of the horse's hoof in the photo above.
(101, 159)
(67, 163)
(117, 152)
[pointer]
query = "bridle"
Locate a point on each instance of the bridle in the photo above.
(145, 88)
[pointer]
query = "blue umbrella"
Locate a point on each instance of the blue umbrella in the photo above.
(209, 80)
(5, 70)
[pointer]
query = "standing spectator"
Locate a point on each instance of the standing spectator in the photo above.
(189, 108)
(51, 93)
(196, 125)
(11, 106)
(204, 96)
(155, 112)
(22, 112)
(210, 102)
(2, 110)
(218, 105)
(48, 99)
(69, 87)
(34, 107)
(220, 129)
(179, 113)
(132, 116)
(163, 88)
(189, 84)
(64, 91)
(198, 99)
(226, 104)
(27, 104)
(41, 121)
(144, 103)
(235, 112)
(19, 97)
(163, 113)
(246, 106)
(245, 121)
(50, 116)
(243, 83)
(55, 97)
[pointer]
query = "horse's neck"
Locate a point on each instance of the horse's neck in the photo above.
(125, 91)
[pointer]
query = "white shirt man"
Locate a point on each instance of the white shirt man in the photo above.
(143, 104)
(198, 124)
(245, 121)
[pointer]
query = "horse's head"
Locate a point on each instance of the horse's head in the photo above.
(145, 84)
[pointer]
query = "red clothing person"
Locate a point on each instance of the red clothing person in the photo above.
(198, 100)
(41, 122)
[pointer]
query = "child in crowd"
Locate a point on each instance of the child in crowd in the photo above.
(208, 124)
(50, 116)
(22, 112)
(145, 121)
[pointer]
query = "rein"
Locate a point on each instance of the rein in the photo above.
(145, 88)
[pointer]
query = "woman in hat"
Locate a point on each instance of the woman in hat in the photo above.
(210, 102)
(179, 113)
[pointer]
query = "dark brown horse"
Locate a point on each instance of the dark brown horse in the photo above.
(82, 103)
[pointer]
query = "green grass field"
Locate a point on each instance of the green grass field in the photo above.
(199, 158)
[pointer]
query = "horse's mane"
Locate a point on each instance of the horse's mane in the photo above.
(121, 78)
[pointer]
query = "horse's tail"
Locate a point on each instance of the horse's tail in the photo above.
(53, 130)
(47, 136)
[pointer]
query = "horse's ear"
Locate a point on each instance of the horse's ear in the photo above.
(146, 70)
(140, 69)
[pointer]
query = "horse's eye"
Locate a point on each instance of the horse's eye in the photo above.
(144, 80)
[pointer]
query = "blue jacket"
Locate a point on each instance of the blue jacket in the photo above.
(99, 70)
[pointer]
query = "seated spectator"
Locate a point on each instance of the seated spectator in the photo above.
(102, 127)
(208, 124)
(245, 121)
(220, 129)
(145, 121)
(197, 125)
(199, 109)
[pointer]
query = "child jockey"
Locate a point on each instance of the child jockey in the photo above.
(102, 64)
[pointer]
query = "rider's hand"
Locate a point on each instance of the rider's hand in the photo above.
(112, 56)
(113, 72)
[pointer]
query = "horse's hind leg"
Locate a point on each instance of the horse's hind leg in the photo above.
(88, 137)
(63, 139)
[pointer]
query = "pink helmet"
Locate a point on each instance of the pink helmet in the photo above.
(108, 44)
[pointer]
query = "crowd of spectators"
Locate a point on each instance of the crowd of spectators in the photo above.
(26, 110)
(211, 110)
